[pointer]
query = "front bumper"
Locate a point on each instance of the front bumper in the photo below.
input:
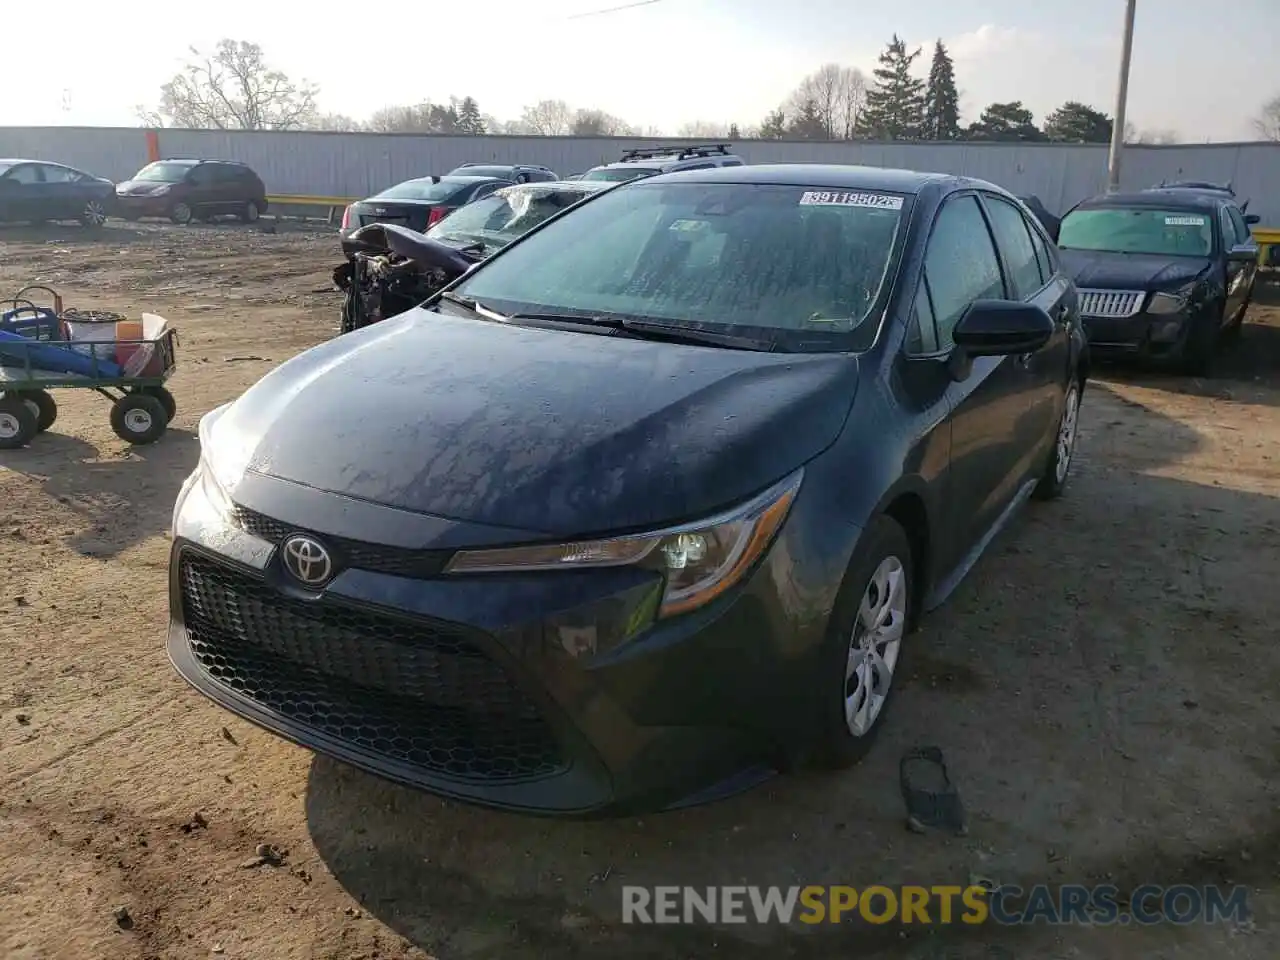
(144, 205)
(1145, 336)
(509, 691)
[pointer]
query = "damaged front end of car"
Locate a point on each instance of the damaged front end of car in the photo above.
(390, 269)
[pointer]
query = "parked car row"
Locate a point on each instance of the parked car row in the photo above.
(180, 190)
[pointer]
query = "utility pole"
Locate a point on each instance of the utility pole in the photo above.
(1122, 99)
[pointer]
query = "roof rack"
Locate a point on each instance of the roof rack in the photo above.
(680, 153)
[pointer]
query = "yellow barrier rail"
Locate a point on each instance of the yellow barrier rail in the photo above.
(294, 200)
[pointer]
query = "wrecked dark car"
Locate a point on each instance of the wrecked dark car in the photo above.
(391, 269)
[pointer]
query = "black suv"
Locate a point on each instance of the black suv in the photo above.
(515, 172)
(185, 189)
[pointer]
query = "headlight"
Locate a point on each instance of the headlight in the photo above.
(213, 491)
(160, 190)
(1173, 302)
(700, 561)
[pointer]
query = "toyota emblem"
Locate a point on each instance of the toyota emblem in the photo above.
(307, 561)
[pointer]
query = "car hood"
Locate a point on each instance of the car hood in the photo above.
(1093, 269)
(536, 430)
(135, 188)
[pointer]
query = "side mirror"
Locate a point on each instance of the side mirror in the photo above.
(1243, 253)
(1252, 218)
(1002, 328)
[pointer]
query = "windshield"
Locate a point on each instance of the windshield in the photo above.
(504, 215)
(1173, 233)
(418, 190)
(803, 266)
(163, 172)
(619, 174)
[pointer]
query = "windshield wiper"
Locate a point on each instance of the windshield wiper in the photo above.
(475, 306)
(654, 330)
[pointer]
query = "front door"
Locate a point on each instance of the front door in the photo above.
(990, 402)
(1240, 275)
(20, 193)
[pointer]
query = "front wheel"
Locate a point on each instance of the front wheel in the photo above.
(181, 213)
(94, 214)
(863, 652)
(1200, 346)
(139, 418)
(1054, 479)
(18, 423)
(250, 213)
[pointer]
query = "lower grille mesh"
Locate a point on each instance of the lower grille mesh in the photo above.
(405, 691)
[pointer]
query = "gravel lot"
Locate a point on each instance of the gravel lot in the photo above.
(1103, 685)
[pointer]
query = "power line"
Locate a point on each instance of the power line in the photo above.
(625, 6)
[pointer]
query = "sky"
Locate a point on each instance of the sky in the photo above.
(670, 62)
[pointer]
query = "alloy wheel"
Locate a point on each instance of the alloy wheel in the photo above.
(1067, 434)
(94, 214)
(875, 645)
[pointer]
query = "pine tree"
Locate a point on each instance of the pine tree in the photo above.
(941, 99)
(469, 118)
(895, 104)
(774, 126)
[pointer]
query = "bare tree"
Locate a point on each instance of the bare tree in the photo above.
(704, 130)
(1162, 136)
(425, 117)
(597, 123)
(334, 121)
(1268, 121)
(835, 95)
(235, 89)
(548, 118)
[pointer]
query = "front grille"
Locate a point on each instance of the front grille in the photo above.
(403, 690)
(356, 554)
(1110, 304)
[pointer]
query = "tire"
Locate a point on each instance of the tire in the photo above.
(42, 404)
(166, 400)
(883, 550)
(181, 213)
(94, 215)
(139, 418)
(250, 213)
(1058, 470)
(18, 423)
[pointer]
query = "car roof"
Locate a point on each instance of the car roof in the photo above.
(1163, 198)
(452, 178)
(834, 176)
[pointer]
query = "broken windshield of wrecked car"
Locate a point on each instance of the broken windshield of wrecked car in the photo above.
(805, 265)
(503, 216)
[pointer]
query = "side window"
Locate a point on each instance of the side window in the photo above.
(960, 264)
(922, 338)
(1048, 266)
(1243, 234)
(484, 190)
(53, 173)
(1015, 242)
(697, 166)
(26, 173)
(1228, 229)
(732, 163)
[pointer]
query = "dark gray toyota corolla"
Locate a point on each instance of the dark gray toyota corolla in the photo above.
(643, 508)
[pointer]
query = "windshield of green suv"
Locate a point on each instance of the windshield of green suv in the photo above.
(504, 215)
(619, 174)
(162, 172)
(1147, 230)
(796, 265)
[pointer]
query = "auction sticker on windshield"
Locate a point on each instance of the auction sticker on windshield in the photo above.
(878, 201)
(1184, 221)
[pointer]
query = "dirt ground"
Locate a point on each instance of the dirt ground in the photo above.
(1103, 685)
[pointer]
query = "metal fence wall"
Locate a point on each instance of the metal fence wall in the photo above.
(358, 164)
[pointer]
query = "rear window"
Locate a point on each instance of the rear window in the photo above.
(807, 264)
(505, 215)
(419, 190)
(505, 173)
(161, 172)
(1172, 233)
(620, 174)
